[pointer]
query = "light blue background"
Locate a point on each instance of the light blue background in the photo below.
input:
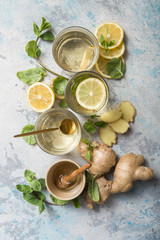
(133, 215)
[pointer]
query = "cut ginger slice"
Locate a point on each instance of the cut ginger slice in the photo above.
(111, 116)
(107, 135)
(120, 126)
(128, 111)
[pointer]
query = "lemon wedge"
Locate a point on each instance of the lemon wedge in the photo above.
(86, 58)
(91, 94)
(40, 97)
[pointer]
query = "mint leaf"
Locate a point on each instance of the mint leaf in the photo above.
(115, 68)
(77, 82)
(41, 207)
(38, 52)
(93, 191)
(45, 24)
(36, 29)
(59, 85)
(110, 43)
(31, 75)
(88, 156)
(100, 124)
(102, 40)
(40, 195)
(58, 201)
(88, 177)
(89, 127)
(29, 175)
(24, 188)
(76, 202)
(29, 139)
(31, 198)
(35, 185)
(85, 141)
(42, 182)
(47, 36)
(63, 103)
(31, 48)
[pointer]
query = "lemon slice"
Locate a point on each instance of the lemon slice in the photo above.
(101, 66)
(91, 94)
(86, 58)
(113, 53)
(40, 97)
(110, 31)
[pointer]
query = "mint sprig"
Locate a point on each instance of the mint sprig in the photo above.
(106, 43)
(93, 190)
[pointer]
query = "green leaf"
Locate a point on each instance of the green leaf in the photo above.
(42, 182)
(59, 85)
(88, 156)
(41, 207)
(58, 201)
(31, 75)
(94, 116)
(115, 68)
(24, 188)
(100, 124)
(36, 29)
(88, 176)
(76, 202)
(77, 82)
(31, 48)
(35, 185)
(89, 127)
(38, 52)
(102, 39)
(31, 198)
(110, 43)
(45, 24)
(85, 140)
(93, 191)
(63, 103)
(47, 36)
(29, 175)
(40, 195)
(29, 139)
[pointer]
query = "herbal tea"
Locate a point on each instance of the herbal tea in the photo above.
(76, 54)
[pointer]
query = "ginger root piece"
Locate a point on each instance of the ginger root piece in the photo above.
(103, 158)
(111, 116)
(107, 135)
(120, 126)
(128, 111)
(127, 170)
(104, 191)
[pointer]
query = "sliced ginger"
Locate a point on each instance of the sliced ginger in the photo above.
(107, 135)
(128, 111)
(111, 116)
(120, 126)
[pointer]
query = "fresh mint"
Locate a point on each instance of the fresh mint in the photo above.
(106, 43)
(29, 175)
(24, 188)
(91, 124)
(58, 201)
(35, 185)
(63, 103)
(42, 182)
(29, 139)
(59, 85)
(31, 198)
(32, 48)
(115, 68)
(93, 190)
(32, 75)
(77, 82)
(76, 202)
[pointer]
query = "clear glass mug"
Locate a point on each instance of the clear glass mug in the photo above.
(71, 98)
(69, 48)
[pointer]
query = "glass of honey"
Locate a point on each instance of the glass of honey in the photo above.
(75, 49)
(56, 142)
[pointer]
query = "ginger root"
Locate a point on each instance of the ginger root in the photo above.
(127, 170)
(107, 135)
(104, 191)
(102, 157)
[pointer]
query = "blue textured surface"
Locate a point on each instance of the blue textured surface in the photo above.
(133, 215)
